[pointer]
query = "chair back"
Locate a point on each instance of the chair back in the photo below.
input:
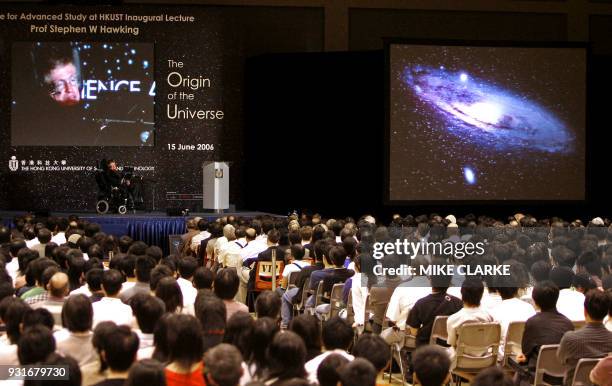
(319, 294)
(292, 279)
(548, 363)
(350, 312)
(263, 277)
(483, 338)
(439, 333)
(513, 340)
(583, 370)
(336, 301)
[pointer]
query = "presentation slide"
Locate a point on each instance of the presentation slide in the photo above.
(82, 94)
(486, 123)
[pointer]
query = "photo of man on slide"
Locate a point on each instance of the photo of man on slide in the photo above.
(82, 94)
(63, 81)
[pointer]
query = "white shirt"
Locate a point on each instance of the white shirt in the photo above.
(77, 345)
(490, 300)
(229, 255)
(404, 297)
(510, 310)
(12, 268)
(253, 249)
(197, 240)
(571, 304)
(359, 293)
(295, 266)
(312, 365)
(465, 315)
(8, 354)
(112, 309)
(189, 292)
(59, 238)
(82, 290)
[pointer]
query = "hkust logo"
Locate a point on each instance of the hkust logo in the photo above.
(13, 164)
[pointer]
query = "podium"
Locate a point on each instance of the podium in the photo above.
(215, 182)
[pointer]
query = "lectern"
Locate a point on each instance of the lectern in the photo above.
(215, 181)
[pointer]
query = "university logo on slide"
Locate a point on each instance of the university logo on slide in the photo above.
(13, 164)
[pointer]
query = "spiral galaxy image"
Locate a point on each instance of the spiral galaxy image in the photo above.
(486, 123)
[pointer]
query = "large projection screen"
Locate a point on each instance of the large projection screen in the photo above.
(485, 122)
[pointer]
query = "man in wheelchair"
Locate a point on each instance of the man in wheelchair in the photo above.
(117, 191)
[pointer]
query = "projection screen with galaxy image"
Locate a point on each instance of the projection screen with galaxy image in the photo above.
(486, 123)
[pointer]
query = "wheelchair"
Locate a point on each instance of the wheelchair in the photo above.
(111, 198)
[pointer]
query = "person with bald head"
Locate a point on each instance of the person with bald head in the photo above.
(58, 289)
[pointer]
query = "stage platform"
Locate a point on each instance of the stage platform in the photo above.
(151, 227)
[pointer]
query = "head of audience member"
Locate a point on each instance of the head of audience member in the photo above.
(297, 252)
(58, 285)
(372, 347)
(540, 270)
(159, 272)
(506, 286)
(238, 332)
(94, 279)
(184, 341)
(35, 344)
(273, 237)
(223, 365)
(309, 329)
(358, 372)
(545, 295)
(6, 288)
(492, 376)
(471, 292)
(148, 310)
(39, 316)
(77, 314)
(328, 371)
(337, 256)
(144, 266)
(431, 366)
(583, 282)
(170, 293)
(148, 372)
(286, 356)
(268, 304)
(160, 339)
(203, 278)
(138, 248)
(440, 281)
(596, 306)
(229, 232)
(226, 283)
(111, 283)
(187, 267)
(337, 334)
(264, 331)
(13, 317)
(563, 277)
(119, 350)
(212, 315)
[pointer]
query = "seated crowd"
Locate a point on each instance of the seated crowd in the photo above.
(115, 311)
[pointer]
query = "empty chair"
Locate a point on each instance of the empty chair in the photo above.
(482, 338)
(513, 339)
(439, 332)
(335, 300)
(548, 364)
(583, 369)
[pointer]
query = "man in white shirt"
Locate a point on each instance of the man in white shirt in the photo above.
(186, 268)
(294, 265)
(337, 337)
(110, 307)
(203, 235)
(58, 288)
(147, 310)
(571, 302)
(229, 255)
(75, 339)
(402, 300)
(59, 232)
(254, 245)
(229, 234)
(471, 294)
(40, 242)
(511, 309)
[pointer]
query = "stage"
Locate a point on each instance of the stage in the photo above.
(151, 227)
